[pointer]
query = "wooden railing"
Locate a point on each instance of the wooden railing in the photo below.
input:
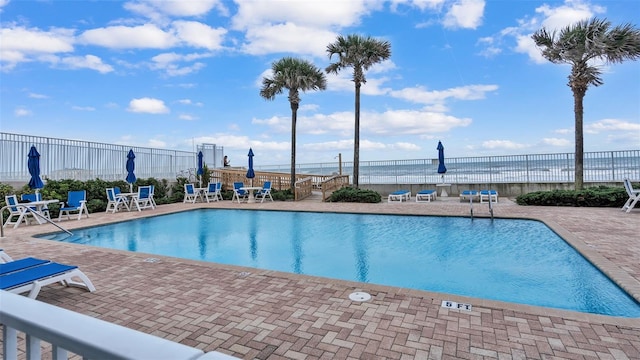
(332, 184)
(304, 184)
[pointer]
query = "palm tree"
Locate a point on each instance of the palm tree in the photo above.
(295, 75)
(580, 45)
(359, 53)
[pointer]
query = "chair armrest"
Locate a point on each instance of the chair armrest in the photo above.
(61, 203)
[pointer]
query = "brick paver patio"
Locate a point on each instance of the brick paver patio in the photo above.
(259, 314)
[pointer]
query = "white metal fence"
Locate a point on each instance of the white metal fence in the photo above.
(85, 160)
(604, 166)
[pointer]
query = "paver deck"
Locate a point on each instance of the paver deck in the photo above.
(259, 314)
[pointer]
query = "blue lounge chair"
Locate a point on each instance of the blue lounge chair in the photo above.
(266, 191)
(76, 202)
(32, 274)
(399, 195)
(488, 196)
(20, 264)
(469, 194)
(238, 193)
(425, 195)
(115, 202)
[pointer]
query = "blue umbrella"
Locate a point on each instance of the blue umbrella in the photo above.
(250, 173)
(441, 168)
(200, 170)
(131, 166)
(34, 169)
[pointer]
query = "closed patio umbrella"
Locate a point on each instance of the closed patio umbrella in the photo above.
(250, 173)
(131, 166)
(441, 168)
(33, 163)
(200, 170)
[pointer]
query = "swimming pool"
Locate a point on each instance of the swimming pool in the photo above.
(521, 261)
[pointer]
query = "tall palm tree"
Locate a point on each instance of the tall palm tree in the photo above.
(294, 75)
(360, 53)
(580, 45)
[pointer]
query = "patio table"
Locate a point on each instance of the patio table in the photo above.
(251, 189)
(39, 205)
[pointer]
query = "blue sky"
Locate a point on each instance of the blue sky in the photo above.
(171, 74)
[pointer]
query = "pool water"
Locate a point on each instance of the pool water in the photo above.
(520, 261)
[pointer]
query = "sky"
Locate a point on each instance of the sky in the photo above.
(174, 74)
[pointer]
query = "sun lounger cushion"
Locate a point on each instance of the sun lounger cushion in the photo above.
(20, 264)
(399, 195)
(425, 195)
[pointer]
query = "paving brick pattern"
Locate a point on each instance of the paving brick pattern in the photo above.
(259, 314)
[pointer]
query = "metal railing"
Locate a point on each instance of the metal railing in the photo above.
(603, 166)
(35, 213)
(85, 160)
(70, 332)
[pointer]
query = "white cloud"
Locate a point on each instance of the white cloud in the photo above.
(147, 36)
(465, 14)
(612, 125)
(83, 108)
(179, 8)
(187, 117)
(199, 35)
(20, 112)
(502, 144)
(421, 95)
(37, 96)
(287, 38)
(170, 63)
(147, 105)
(557, 142)
(86, 62)
(20, 44)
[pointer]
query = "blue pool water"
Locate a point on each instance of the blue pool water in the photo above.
(521, 261)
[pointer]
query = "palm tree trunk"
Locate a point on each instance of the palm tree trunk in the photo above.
(294, 118)
(578, 109)
(356, 140)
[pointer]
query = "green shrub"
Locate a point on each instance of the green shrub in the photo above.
(349, 194)
(601, 196)
(282, 195)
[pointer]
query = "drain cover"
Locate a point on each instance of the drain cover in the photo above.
(360, 296)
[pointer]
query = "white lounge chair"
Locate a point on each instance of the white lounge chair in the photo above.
(76, 202)
(488, 196)
(266, 191)
(634, 196)
(426, 195)
(399, 195)
(31, 274)
(4, 257)
(469, 194)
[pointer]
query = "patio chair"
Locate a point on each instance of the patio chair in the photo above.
(17, 213)
(115, 202)
(219, 190)
(152, 192)
(634, 196)
(266, 191)
(143, 199)
(31, 274)
(190, 194)
(399, 195)
(426, 195)
(44, 211)
(488, 196)
(211, 194)
(469, 194)
(76, 202)
(238, 193)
